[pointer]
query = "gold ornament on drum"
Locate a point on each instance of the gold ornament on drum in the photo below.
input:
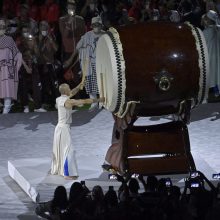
(163, 80)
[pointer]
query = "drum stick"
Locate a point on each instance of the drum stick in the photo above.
(105, 95)
(102, 92)
(84, 70)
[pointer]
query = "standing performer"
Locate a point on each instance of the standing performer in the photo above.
(114, 156)
(211, 22)
(64, 161)
(87, 55)
(10, 63)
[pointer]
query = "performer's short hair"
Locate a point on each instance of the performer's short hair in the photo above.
(62, 88)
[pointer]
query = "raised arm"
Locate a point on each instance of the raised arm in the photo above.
(76, 89)
(68, 62)
(27, 68)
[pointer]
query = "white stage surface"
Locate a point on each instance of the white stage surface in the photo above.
(31, 176)
(26, 145)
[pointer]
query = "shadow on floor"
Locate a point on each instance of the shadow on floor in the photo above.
(32, 120)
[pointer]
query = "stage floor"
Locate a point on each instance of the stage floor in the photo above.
(24, 137)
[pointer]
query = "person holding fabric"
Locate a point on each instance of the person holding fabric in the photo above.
(211, 23)
(64, 161)
(10, 63)
(87, 56)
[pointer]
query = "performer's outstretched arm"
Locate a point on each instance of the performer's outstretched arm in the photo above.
(76, 102)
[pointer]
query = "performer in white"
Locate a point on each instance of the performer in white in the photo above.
(211, 23)
(64, 161)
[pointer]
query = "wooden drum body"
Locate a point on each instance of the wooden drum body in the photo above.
(156, 65)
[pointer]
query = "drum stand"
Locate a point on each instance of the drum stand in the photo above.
(157, 149)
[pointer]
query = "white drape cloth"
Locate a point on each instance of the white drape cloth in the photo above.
(87, 50)
(87, 56)
(212, 36)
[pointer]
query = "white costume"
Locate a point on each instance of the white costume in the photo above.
(212, 36)
(64, 161)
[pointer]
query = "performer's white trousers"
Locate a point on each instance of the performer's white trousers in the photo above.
(64, 161)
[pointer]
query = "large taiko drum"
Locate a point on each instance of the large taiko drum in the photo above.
(157, 65)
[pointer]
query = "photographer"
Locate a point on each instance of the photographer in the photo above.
(199, 201)
(29, 77)
(214, 212)
(47, 47)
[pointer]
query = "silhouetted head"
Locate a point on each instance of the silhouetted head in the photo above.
(76, 191)
(152, 183)
(175, 192)
(59, 199)
(162, 189)
(111, 199)
(97, 193)
(133, 185)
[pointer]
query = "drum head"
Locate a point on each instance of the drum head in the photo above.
(110, 71)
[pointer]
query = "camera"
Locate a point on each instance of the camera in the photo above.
(194, 174)
(216, 176)
(194, 185)
(135, 175)
(112, 177)
(168, 182)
